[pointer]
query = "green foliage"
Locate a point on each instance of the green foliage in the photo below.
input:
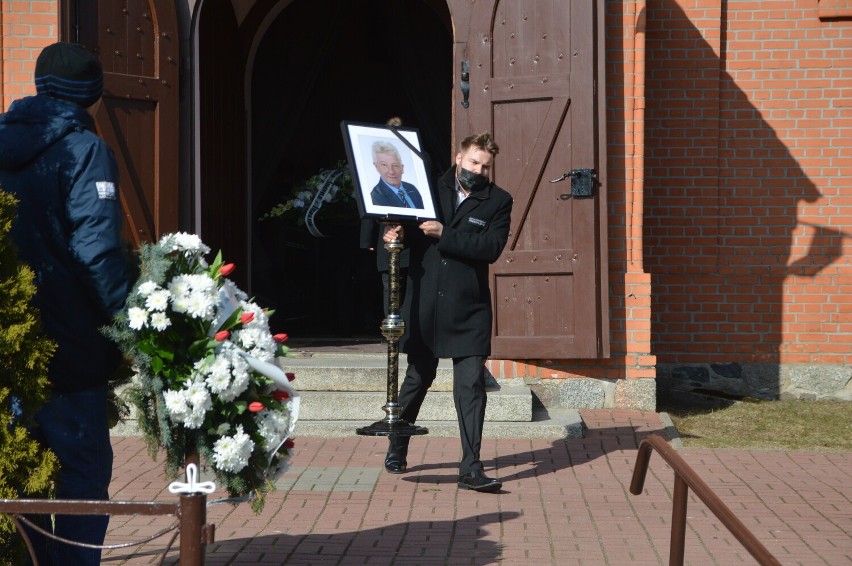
(26, 468)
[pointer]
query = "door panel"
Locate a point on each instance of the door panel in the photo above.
(533, 80)
(137, 44)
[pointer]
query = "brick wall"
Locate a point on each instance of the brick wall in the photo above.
(27, 26)
(748, 188)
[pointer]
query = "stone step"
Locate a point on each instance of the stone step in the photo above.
(546, 424)
(342, 392)
(508, 404)
(363, 372)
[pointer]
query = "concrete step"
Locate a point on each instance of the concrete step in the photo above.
(341, 393)
(508, 404)
(364, 372)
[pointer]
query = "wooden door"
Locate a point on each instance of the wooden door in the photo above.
(137, 43)
(536, 82)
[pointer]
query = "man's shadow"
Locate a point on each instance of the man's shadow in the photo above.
(597, 442)
(399, 543)
(732, 219)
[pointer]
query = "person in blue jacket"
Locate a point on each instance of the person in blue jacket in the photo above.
(447, 308)
(68, 230)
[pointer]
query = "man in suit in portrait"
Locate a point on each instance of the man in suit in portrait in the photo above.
(391, 190)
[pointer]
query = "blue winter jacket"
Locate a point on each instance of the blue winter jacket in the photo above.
(68, 229)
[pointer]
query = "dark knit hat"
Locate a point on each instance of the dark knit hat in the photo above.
(69, 72)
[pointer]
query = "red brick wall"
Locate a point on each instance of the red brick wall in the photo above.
(748, 187)
(27, 26)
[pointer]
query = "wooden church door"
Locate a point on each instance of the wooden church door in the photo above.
(532, 73)
(137, 44)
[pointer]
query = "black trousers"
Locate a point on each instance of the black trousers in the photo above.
(468, 396)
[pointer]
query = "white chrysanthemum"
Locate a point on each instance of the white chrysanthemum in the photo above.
(201, 282)
(176, 404)
(222, 429)
(160, 321)
(147, 288)
(137, 318)
(257, 343)
(157, 300)
(197, 394)
(181, 241)
(179, 287)
(219, 381)
(273, 427)
(195, 418)
(239, 378)
(200, 305)
(232, 453)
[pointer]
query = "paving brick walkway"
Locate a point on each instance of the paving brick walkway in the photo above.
(563, 502)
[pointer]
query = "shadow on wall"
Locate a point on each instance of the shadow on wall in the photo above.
(722, 235)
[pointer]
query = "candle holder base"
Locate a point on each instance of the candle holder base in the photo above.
(396, 428)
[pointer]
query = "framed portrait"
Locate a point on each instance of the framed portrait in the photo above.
(389, 172)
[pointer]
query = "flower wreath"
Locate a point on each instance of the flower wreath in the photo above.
(205, 378)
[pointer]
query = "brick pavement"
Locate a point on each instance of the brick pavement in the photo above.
(563, 502)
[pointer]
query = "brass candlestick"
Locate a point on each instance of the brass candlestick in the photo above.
(393, 327)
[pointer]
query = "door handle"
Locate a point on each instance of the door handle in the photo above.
(465, 83)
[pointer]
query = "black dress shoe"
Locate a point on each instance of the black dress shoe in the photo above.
(478, 481)
(397, 453)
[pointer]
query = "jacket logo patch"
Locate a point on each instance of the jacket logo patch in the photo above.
(477, 221)
(106, 190)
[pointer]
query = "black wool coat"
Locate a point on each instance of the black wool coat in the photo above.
(447, 308)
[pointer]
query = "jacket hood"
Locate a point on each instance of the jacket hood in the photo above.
(35, 123)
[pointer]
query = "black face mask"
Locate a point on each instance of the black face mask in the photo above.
(472, 181)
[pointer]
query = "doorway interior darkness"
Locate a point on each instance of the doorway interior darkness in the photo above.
(319, 63)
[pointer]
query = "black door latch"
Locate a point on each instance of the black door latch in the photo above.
(584, 183)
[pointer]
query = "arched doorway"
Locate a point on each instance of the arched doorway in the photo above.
(317, 63)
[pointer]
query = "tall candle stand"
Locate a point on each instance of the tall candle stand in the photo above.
(393, 327)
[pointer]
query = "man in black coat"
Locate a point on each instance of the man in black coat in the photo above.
(447, 308)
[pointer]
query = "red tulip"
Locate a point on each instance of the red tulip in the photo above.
(256, 406)
(227, 269)
(279, 395)
(289, 443)
(290, 376)
(280, 338)
(222, 335)
(246, 317)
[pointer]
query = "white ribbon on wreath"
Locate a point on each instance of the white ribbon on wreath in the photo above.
(328, 178)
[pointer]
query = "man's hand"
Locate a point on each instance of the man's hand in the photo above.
(393, 232)
(432, 228)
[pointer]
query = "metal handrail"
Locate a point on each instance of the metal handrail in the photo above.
(195, 532)
(686, 478)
